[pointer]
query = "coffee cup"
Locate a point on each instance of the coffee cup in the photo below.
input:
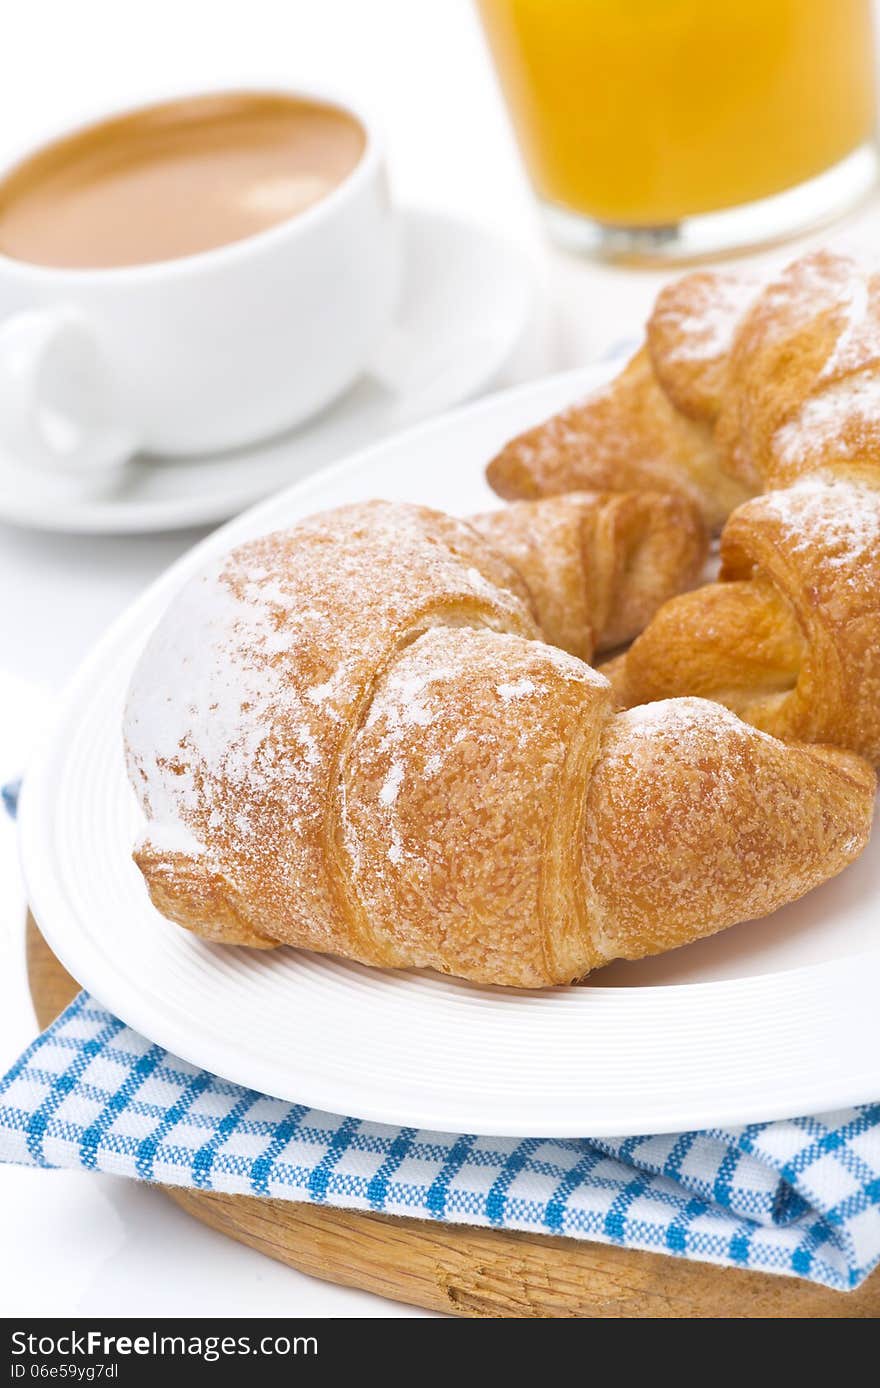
(235, 329)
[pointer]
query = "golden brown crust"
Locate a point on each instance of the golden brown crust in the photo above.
(690, 334)
(803, 380)
(737, 390)
(463, 800)
(737, 643)
(627, 436)
(818, 544)
(597, 565)
(350, 737)
(245, 698)
(199, 896)
(694, 820)
(788, 638)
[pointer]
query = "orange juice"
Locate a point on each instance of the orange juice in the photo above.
(644, 112)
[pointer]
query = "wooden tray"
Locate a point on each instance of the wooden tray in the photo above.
(480, 1272)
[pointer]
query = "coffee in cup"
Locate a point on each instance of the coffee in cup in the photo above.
(190, 277)
(175, 179)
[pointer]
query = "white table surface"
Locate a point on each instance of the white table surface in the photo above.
(77, 1245)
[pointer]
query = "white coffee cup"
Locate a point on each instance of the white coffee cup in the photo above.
(204, 353)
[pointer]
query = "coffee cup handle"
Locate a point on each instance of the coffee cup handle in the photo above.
(58, 407)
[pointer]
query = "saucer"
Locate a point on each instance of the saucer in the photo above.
(465, 302)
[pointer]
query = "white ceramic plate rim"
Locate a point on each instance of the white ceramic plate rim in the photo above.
(805, 1039)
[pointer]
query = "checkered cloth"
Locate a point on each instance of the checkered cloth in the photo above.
(799, 1197)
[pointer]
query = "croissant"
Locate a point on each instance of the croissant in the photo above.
(802, 381)
(352, 737)
(626, 436)
(598, 565)
(739, 388)
(790, 636)
(654, 425)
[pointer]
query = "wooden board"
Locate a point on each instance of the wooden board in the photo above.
(481, 1272)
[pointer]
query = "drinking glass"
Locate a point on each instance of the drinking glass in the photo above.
(673, 128)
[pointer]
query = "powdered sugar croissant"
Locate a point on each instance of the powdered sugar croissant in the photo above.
(790, 636)
(626, 436)
(653, 425)
(740, 387)
(598, 565)
(352, 737)
(802, 380)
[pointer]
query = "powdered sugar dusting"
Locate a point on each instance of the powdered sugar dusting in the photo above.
(570, 668)
(858, 343)
(405, 706)
(221, 688)
(320, 694)
(445, 813)
(680, 718)
(836, 295)
(834, 421)
(697, 732)
(833, 300)
(239, 708)
(820, 282)
(700, 316)
(518, 689)
(592, 431)
(391, 785)
(395, 850)
(405, 702)
(170, 838)
(833, 518)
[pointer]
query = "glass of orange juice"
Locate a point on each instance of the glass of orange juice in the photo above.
(669, 128)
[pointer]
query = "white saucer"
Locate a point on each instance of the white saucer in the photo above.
(465, 302)
(770, 1019)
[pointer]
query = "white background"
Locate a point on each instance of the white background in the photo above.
(84, 1245)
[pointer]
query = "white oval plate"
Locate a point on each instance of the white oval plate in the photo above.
(770, 1019)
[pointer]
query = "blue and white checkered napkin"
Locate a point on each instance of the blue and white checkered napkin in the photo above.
(799, 1197)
